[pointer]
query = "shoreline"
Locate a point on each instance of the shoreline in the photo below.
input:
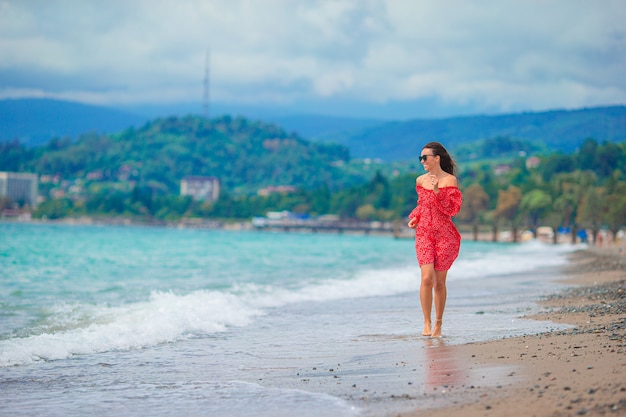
(388, 229)
(391, 370)
(578, 371)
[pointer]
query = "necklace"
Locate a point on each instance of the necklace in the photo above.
(438, 176)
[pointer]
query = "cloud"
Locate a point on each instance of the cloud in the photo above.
(505, 55)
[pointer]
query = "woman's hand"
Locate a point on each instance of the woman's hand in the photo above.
(435, 183)
(413, 223)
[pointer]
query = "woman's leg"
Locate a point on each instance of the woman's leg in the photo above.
(441, 293)
(426, 295)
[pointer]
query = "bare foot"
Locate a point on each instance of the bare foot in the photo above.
(427, 331)
(437, 330)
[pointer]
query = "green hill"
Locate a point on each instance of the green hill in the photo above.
(558, 130)
(136, 173)
(245, 155)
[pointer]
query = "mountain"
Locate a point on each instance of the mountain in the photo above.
(558, 130)
(36, 121)
(324, 128)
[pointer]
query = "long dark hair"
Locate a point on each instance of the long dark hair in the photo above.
(446, 161)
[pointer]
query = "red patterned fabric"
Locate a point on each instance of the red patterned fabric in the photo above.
(437, 241)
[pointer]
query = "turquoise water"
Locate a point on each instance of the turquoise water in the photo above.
(164, 304)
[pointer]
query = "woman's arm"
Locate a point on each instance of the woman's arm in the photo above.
(414, 216)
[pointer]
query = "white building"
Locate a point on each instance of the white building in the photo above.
(19, 187)
(201, 188)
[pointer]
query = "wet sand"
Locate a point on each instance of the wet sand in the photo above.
(578, 368)
(578, 371)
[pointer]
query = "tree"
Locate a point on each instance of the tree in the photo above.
(615, 208)
(567, 191)
(404, 196)
(475, 201)
(607, 159)
(14, 156)
(591, 211)
(586, 158)
(556, 163)
(535, 205)
(379, 191)
(507, 208)
(55, 209)
(366, 212)
(320, 200)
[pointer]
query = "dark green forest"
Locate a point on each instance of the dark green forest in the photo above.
(507, 182)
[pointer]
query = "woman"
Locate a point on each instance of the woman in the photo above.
(437, 241)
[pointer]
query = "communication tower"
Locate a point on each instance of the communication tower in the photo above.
(205, 101)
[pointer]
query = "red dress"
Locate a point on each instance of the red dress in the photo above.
(437, 241)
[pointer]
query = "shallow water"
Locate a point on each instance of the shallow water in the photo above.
(136, 321)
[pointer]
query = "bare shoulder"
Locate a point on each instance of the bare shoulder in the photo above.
(420, 180)
(449, 181)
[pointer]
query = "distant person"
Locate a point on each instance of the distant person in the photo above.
(437, 241)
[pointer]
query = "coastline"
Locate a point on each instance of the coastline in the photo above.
(394, 229)
(347, 367)
(578, 371)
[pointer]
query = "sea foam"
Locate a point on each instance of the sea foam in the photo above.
(166, 317)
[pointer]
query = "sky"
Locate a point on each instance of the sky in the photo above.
(392, 59)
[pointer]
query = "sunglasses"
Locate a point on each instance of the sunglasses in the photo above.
(423, 158)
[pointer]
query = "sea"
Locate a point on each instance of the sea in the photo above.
(133, 321)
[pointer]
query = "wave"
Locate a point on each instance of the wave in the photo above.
(479, 259)
(167, 317)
